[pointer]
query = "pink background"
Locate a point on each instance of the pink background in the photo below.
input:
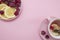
(26, 27)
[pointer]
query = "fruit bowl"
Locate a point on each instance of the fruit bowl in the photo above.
(10, 9)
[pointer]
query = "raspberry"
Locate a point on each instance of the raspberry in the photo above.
(16, 13)
(0, 1)
(3, 0)
(43, 32)
(17, 4)
(51, 27)
(6, 2)
(11, 4)
(47, 37)
(1, 12)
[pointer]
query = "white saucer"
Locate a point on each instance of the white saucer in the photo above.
(44, 27)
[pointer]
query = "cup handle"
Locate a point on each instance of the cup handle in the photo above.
(51, 18)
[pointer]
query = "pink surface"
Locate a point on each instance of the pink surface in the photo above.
(26, 27)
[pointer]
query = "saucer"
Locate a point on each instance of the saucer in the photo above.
(44, 27)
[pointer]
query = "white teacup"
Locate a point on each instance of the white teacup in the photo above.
(52, 20)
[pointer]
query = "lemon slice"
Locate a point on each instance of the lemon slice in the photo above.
(2, 6)
(3, 17)
(9, 12)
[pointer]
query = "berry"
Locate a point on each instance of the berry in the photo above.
(10, 0)
(18, 1)
(16, 13)
(0, 1)
(17, 4)
(11, 4)
(43, 32)
(51, 27)
(6, 2)
(13, 0)
(1, 12)
(47, 37)
(3, 0)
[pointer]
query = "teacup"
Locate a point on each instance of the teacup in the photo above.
(54, 27)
